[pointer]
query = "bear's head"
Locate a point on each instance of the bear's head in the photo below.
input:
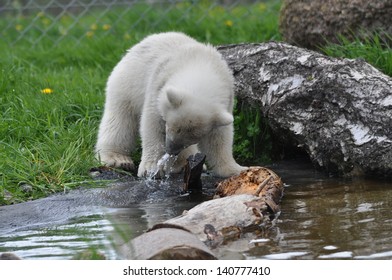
(189, 118)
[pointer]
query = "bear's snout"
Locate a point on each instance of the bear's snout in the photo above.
(173, 148)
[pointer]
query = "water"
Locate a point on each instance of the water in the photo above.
(104, 232)
(61, 242)
(164, 165)
(321, 218)
(332, 219)
(163, 160)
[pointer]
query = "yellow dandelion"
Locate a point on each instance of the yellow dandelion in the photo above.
(40, 14)
(94, 26)
(47, 91)
(18, 27)
(106, 27)
(89, 34)
(229, 23)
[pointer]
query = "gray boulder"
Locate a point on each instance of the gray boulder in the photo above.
(309, 23)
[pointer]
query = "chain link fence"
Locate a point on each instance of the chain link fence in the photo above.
(59, 20)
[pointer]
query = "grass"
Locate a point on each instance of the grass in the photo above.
(52, 94)
(375, 49)
(46, 138)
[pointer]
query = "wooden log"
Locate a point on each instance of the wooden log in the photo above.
(259, 181)
(192, 173)
(244, 203)
(256, 180)
(219, 219)
(168, 243)
(339, 111)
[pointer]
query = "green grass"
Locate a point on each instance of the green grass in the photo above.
(375, 49)
(47, 140)
(252, 143)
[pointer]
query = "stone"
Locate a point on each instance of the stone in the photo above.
(310, 23)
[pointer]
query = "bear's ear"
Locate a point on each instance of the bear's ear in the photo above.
(174, 97)
(223, 119)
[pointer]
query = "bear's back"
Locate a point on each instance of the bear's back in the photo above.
(157, 47)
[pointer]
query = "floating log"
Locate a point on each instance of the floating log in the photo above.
(169, 243)
(243, 203)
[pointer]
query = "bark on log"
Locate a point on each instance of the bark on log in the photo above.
(338, 110)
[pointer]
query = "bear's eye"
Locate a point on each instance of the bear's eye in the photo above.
(178, 131)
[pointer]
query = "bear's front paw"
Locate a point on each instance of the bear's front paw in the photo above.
(229, 171)
(117, 160)
(150, 169)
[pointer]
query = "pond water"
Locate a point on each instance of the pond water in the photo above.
(321, 218)
(327, 218)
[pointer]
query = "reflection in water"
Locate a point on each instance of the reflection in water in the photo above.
(332, 219)
(321, 218)
(104, 233)
(61, 242)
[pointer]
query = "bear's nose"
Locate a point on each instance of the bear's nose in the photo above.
(173, 148)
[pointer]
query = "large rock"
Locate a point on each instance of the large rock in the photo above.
(337, 110)
(309, 23)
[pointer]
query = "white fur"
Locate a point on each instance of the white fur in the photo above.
(181, 93)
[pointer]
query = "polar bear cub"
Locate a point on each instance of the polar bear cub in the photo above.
(178, 93)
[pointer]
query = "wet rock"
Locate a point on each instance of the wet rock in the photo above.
(311, 23)
(339, 111)
(8, 196)
(26, 188)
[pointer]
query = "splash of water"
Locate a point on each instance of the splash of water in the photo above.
(163, 160)
(164, 163)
